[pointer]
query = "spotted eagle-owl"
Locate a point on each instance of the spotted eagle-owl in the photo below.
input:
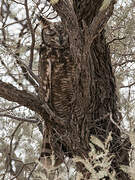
(56, 72)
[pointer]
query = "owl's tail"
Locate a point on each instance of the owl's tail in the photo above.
(48, 159)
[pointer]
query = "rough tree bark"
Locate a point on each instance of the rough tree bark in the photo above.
(94, 100)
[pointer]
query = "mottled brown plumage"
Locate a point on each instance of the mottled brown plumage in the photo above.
(56, 72)
(48, 158)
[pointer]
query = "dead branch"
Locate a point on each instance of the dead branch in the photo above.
(11, 93)
(12, 23)
(32, 35)
(128, 86)
(19, 118)
(10, 74)
(24, 98)
(22, 167)
(12, 137)
(24, 70)
(8, 161)
(9, 109)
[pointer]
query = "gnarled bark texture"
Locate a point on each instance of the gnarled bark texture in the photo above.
(82, 84)
(77, 91)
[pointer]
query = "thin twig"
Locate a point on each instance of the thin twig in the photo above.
(19, 118)
(18, 2)
(8, 158)
(12, 136)
(12, 23)
(128, 86)
(32, 171)
(24, 70)
(115, 39)
(9, 109)
(22, 168)
(23, 65)
(32, 34)
(10, 74)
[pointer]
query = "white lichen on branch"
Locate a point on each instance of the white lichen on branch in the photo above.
(53, 2)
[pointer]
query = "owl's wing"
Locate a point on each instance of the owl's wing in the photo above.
(56, 70)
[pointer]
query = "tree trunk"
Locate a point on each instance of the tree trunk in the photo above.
(83, 87)
(76, 90)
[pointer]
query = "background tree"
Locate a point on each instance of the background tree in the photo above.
(94, 126)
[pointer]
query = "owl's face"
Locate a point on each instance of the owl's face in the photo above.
(54, 36)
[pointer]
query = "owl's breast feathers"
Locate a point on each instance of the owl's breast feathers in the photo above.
(56, 72)
(56, 69)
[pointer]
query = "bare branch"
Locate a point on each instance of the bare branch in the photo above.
(12, 136)
(32, 171)
(23, 66)
(4, 19)
(19, 118)
(9, 109)
(28, 70)
(24, 70)
(115, 39)
(12, 23)
(23, 166)
(18, 2)
(10, 74)
(123, 63)
(24, 98)
(9, 154)
(32, 35)
(100, 21)
(128, 86)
